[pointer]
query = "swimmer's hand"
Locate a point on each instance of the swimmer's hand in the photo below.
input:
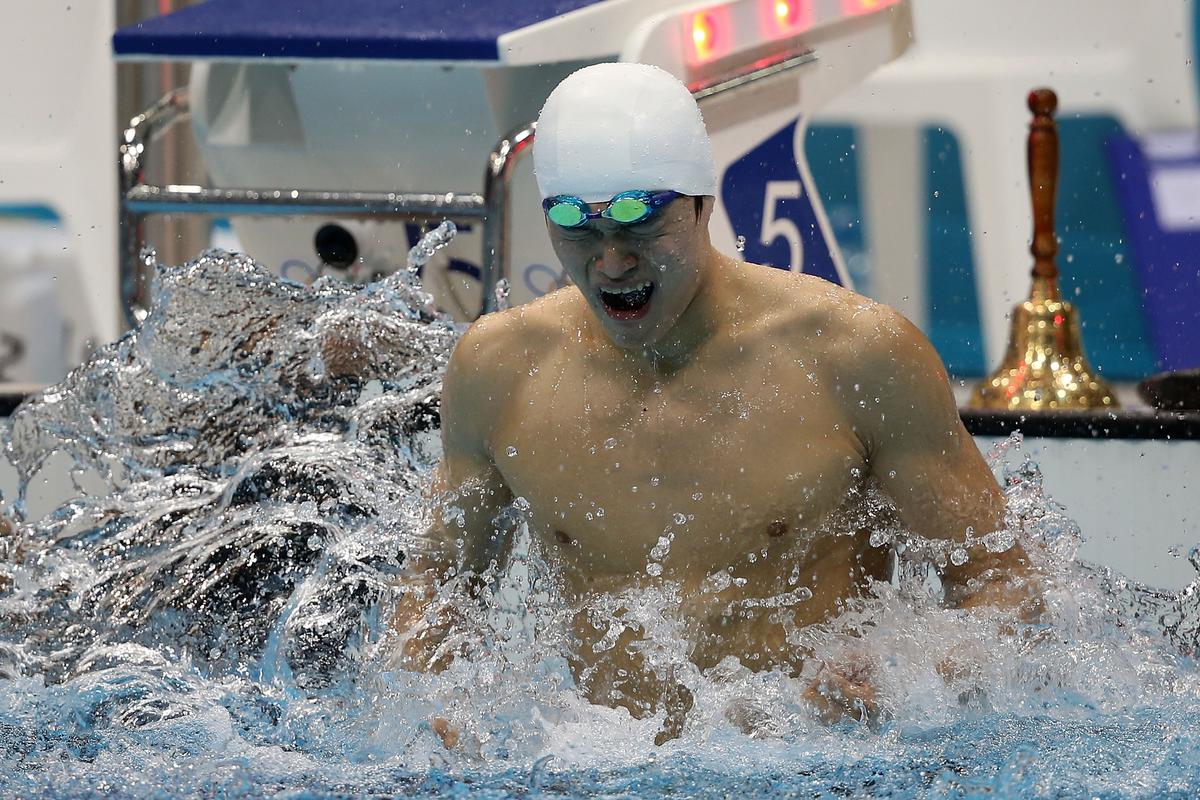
(438, 621)
(432, 633)
(430, 646)
(844, 691)
(619, 676)
(449, 734)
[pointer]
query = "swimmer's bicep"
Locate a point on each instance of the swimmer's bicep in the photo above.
(465, 382)
(941, 486)
(929, 465)
(468, 492)
(464, 516)
(475, 392)
(919, 451)
(468, 489)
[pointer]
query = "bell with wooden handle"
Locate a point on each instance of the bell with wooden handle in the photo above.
(1044, 368)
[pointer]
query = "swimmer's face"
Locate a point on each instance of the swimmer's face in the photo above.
(638, 279)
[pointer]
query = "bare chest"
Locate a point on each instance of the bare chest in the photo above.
(712, 470)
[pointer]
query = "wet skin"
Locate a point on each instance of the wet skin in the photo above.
(745, 412)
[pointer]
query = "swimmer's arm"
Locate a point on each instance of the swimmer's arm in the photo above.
(929, 465)
(465, 496)
(468, 490)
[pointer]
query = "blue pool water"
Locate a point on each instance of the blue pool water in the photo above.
(211, 624)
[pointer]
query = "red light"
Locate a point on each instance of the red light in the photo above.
(786, 17)
(787, 12)
(704, 35)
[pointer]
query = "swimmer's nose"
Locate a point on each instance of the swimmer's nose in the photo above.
(615, 261)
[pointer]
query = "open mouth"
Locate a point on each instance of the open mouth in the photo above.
(628, 303)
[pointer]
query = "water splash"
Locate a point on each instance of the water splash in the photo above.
(216, 622)
(501, 293)
(430, 243)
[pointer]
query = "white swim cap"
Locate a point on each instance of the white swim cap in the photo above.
(609, 128)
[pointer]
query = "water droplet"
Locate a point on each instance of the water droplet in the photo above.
(610, 443)
(958, 556)
(501, 291)
(1194, 558)
(999, 541)
(679, 518)
(510, 451)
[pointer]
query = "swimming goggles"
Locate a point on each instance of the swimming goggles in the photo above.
(627, 208)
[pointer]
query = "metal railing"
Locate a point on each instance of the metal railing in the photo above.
(139, 199)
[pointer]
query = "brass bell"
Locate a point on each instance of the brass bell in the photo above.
(1045, 367)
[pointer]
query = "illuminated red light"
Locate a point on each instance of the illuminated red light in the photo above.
(704, 35)
(787, 12)
(785, 17)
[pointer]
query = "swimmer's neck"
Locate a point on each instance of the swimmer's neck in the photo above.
(703, 318)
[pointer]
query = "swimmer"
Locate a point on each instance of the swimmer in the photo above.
(674, 391)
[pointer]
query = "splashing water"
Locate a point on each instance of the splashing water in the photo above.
(501, 293)
(216, 622)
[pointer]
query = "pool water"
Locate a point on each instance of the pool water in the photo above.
(213, 623)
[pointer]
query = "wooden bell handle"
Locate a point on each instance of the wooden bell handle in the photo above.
(1043, 180)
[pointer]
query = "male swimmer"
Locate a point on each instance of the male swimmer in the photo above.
(675, 390)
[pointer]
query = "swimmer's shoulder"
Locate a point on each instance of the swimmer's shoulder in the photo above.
(489, 364)
(793, 304)
(501, 342)
(854, 331)
(882, 358)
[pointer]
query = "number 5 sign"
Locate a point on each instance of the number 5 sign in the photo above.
(774, 227)
(770, 202)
